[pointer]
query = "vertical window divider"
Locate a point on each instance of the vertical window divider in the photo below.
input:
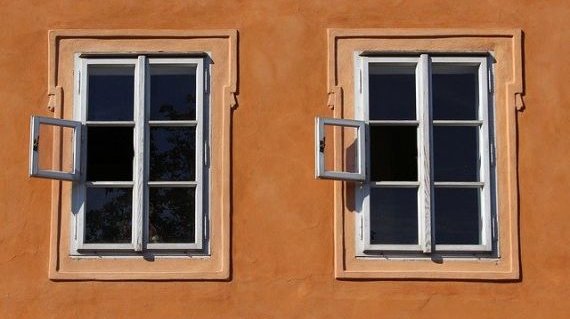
(424, 153)
(146, 154)
(487, 154)
(139, 160)
(199, 136)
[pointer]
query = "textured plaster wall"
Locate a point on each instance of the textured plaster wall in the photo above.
(282, 245)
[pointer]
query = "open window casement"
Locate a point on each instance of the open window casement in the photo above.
(36, 170)
(354, 167)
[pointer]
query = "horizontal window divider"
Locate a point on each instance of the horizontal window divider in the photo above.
(457, 123)
(393, 122)
(395, 184)
(458, 184)
(177, 246)
(172, 184)
(113, 60)
(110, 184)
(379, 248)
(461, 248)
(173, 123)
(110, 123)
(106, 246)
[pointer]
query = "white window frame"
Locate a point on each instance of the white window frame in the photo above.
(141, 140)
(320, 144)
(35, 170)
(425, 184)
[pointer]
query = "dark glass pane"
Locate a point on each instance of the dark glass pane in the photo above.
(393, 216)
(111, 93)
(110, 153)
(457, 216)
(172, 153)
(392, 92)
(455, 92)
(172, 215)
(172, 92)
(456, 153)
(393, 153)
(108, 215)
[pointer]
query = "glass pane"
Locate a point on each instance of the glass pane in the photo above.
(110, 153)
(393, 216)
(172, 153)
(455, 92)
(392, 91)
(172, 92)
(393, 153)
(456, 153)
(108, 215)
(457, 218)
(110, 92)
(172, 215)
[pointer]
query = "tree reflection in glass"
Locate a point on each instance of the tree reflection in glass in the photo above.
(172, 153)
(108, 218)
(171, 215)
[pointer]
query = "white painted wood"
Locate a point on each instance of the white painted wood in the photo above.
(485, 147)
(457, 123)
(173, 123)
(34, 168)
(198, 184)
(424, 111)
(118, 184)
(173, 184)
(110, 123)
(139, 153)
(425, 156)
(320, 142)
(459, 184)
(79, 188)
(141, 135)
(395, 184)
(393, 122)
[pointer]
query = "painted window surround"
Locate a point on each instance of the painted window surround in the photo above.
(505, 46)
(221, 46)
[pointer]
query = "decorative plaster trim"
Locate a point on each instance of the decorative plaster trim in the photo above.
(507, 267)
(219, 267)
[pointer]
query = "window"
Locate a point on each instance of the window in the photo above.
(143, 183)
(429, 179)
(437, 198)
(427, 187)
(140, 144)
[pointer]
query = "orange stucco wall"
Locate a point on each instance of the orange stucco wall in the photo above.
(282, 226)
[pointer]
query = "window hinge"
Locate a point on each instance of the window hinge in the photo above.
(206, 82)
(206, 153)
(361, 235)
(206, 228)
(360, 80)
(490, 80)
(494, 229)
(492, 155)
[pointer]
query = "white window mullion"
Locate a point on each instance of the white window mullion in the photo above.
(423, 76)
(485, 155)
(79, 189)
(139, 160)
(199, 212)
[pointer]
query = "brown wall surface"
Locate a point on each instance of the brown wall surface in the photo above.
(282, 226)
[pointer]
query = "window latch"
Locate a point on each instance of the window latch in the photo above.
(36, 144)
(322, 145)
